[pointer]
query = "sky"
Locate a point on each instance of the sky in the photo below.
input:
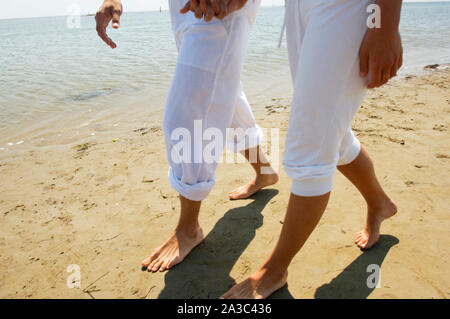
(40, 8)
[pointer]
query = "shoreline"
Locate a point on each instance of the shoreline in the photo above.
(106, 123)
(105, 203)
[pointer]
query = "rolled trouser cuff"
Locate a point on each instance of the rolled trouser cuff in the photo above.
(312, 186)
(350, 153)
(195, 192)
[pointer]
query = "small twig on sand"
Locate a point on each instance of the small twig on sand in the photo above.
(108, 238)
(145, 297)
(89, 293)
(85, 290)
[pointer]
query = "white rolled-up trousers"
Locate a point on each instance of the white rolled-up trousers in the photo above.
(206, 96)
(324, 38)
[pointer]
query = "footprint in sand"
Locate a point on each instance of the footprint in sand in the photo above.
(440, 128)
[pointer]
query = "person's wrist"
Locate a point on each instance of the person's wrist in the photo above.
(387, 29)
(390, 16)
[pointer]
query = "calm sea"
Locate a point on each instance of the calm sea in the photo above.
(59, 84)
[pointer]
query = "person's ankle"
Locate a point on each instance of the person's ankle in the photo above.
(378, 202)
(188, 230)
(273, 272)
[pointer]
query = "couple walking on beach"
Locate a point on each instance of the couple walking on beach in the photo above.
(335, 56)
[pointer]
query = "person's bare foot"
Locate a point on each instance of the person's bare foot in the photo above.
(261, 181)
(369, 236)
(260, 285)
(174, 250)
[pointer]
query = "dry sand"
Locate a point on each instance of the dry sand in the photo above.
(105, 206)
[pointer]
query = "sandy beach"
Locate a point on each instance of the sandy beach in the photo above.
(106, 203)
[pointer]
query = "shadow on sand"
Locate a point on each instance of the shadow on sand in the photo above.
(351, 282)
(205, 272)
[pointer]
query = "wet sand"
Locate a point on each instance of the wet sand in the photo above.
(106, 203)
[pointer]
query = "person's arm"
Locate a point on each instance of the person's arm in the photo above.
(110, 10)
(381, 53)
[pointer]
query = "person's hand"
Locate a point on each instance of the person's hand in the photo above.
(110, 10)
(209, 9)
(206, 8)
(381, 55)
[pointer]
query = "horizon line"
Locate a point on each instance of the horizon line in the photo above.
(93, 14)
(164, 10)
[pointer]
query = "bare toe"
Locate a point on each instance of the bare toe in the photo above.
(258, 286)
(174, 250)
(147, 261)
(152, 264)
(157, 265)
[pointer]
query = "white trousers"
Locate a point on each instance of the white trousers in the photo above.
(324, 37)
(206, 89)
